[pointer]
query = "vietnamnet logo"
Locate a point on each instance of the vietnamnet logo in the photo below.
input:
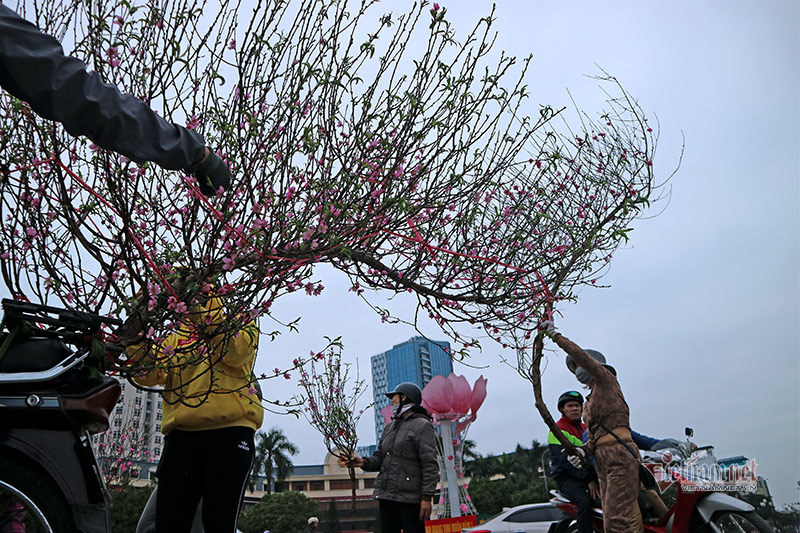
(703, 473)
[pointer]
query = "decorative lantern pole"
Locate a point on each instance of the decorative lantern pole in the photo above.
(454, 407)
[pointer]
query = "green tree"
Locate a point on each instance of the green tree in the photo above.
(468, 451)
(508, 479)
(531, 491)
(282, 512)
(272, 458)
(528, 461)
(331, 524)
(127, 506)
(489, 496)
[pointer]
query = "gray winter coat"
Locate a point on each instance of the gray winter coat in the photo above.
(407, 460)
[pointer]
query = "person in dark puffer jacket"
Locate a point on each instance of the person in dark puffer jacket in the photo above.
(406, 458)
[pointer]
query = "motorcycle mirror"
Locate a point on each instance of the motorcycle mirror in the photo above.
(689, 432)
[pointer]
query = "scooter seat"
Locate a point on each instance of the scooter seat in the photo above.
(33, 354)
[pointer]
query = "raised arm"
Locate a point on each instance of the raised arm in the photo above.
(34, 68)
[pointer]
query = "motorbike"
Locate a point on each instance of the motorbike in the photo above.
(54, 395)
(699, 506)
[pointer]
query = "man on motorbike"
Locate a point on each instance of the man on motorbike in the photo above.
(34, 68)
(577, 483)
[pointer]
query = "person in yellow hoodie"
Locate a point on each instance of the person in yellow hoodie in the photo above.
(211, 410)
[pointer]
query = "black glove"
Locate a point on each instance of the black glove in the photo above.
(211, 174)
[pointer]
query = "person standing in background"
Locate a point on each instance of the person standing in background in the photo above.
(406, 459)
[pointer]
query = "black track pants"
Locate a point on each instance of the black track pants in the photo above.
(396, 516)
(213, 465)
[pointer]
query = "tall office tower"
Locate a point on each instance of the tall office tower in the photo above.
(417, 360)
(136, 421)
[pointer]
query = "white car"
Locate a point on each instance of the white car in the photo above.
(530, 518)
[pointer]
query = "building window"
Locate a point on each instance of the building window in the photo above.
(157, 439)
(342, 484)
(316, 485)
(116, 433)
(137, 412)
(117, 422)
(135, 424)
(118, 410)
(369, 483)
(138, 400)
(299, 485)
(158, 417)
(158, 427)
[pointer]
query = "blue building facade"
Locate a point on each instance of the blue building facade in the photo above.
(417, 360)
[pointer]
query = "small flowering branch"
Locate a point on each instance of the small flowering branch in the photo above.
(120, 449)
(331, 398)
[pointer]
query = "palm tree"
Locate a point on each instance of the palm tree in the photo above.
(272, 458)
(468, 452)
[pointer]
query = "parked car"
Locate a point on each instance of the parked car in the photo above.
(530, 518)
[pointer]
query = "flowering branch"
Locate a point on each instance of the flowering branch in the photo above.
(331, 400)
(410, 174)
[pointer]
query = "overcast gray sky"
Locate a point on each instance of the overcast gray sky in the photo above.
(701, 319)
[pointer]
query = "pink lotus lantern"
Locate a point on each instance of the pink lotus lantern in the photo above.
(477, 396)
(461, 394)
(454, 406)
(438, 395)
(452, 395)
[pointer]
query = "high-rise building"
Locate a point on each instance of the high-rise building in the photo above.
(417, 360)
(134, 427)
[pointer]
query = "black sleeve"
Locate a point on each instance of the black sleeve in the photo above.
(560, 465)
(33, 68)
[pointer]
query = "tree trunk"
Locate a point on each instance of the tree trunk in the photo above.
(536, 380)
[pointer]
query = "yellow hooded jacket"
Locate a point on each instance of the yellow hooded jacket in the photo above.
(207, 384)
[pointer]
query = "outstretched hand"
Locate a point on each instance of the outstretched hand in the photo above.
(354, 461)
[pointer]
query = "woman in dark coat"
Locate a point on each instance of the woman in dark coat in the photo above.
(406, 459)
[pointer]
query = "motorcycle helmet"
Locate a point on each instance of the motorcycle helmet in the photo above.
(582, 375)
(569, 396)
(410, 390)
